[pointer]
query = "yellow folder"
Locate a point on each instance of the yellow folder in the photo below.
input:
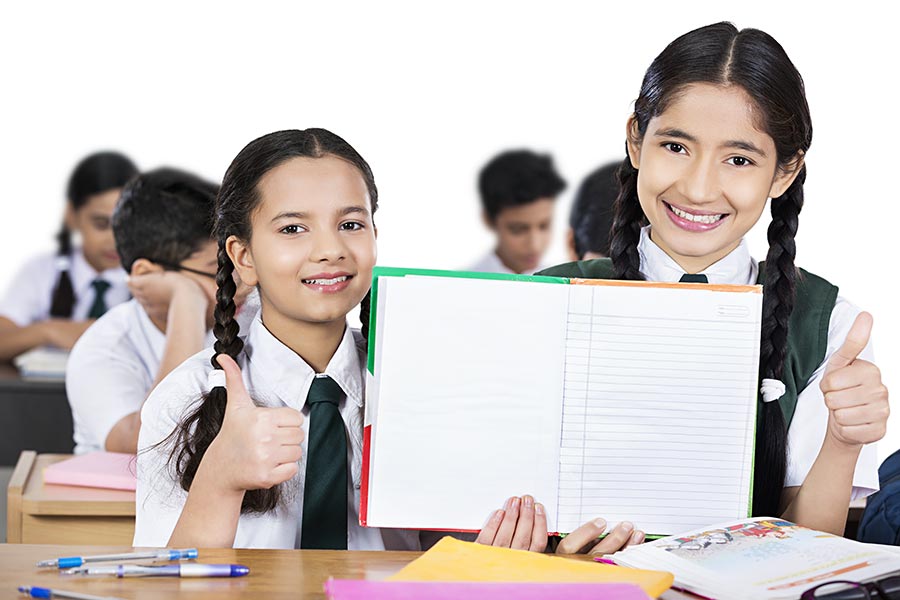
(455, 560)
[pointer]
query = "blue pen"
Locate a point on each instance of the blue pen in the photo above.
(76, 561)
(179, 570)
(39, 592)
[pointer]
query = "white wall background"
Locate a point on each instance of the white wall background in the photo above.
(427, 91)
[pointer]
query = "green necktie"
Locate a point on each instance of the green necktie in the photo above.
(99, 306)
(325, 488)
(688, 278)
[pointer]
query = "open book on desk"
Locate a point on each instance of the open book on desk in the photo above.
(760, 559)
(623, 400)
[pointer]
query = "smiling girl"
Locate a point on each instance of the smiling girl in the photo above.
(722, 126)
(217, 469)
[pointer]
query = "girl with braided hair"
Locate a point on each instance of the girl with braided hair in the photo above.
(293, 218)
(721, 126)
(55, 297)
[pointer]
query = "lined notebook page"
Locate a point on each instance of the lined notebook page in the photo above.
(468, 377)
(660, 406)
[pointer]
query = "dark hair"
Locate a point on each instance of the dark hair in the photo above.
(721, 55)
(94, 175)
(235, 204)
(592, 211)
(163, 216)
(517, 177)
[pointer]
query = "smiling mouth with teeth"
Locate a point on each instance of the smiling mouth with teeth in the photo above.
(708, 219)
(326, 281)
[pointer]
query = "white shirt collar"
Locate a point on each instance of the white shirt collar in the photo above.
(290, 377)
(738, 267)
(83, 274)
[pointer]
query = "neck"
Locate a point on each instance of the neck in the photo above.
(506, 262)
(98, 268)
(693, 264)
(315, 343)
(160, 322)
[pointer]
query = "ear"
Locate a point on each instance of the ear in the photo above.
(570, 244)
(786, 176)
(242, 258)
(142, 266)
(488, 221)
(375, 230)
(633, 141)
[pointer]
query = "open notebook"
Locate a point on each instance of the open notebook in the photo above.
(622, 400)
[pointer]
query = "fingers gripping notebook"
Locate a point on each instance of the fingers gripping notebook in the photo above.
(626, 400)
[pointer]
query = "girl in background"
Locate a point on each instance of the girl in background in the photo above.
(54, 298)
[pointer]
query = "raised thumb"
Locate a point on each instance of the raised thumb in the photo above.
(238, 397)
(856, 341)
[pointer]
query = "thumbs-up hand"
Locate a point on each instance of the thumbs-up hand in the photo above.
(257, 447)
(857, 401)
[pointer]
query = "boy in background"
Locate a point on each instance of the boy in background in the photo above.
(518, 194)
(163, 230)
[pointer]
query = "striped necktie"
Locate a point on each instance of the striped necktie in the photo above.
(99, 306)
(325, 487)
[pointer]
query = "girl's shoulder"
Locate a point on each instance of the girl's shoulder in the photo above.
(180, 390)
(596, 268)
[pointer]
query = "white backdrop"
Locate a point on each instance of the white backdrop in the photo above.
(427, 91)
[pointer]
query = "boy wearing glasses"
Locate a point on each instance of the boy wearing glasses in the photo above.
(163, 230)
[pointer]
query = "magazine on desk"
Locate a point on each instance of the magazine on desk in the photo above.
(627, 400)
(760, 559)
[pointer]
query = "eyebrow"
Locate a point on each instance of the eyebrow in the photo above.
(347, 210)
(739, 144)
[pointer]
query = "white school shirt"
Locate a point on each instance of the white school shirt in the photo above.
(113, 365)
(30, 295)
(275, 376)
(808, 426)
(110, 371)
(491, 263)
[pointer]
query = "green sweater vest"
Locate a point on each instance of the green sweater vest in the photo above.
(807, 333)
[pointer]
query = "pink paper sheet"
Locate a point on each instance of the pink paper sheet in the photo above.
(360, 589)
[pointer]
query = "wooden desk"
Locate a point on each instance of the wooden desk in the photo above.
(64, 514)
(34, 414)
(274, 574)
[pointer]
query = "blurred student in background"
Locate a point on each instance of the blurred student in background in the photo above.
(518, 194)
(592, 214)
(163, 231)
(55, 297)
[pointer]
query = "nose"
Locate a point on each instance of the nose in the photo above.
(535, 236)
(700, 183)
(327, 246)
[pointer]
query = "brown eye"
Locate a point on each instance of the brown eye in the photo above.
(740, 161)
(674, 147)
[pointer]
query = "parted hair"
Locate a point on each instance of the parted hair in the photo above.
(720, 54)
(238, 198)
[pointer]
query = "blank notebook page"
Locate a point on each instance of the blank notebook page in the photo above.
(659, 408)
(466, 419)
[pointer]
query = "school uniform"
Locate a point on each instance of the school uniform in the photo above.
(30, 295)
(491, 263)
(112, 367)
(275, 376)
(819, 325)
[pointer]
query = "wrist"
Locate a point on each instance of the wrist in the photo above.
(832, 445)
(212, 474)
